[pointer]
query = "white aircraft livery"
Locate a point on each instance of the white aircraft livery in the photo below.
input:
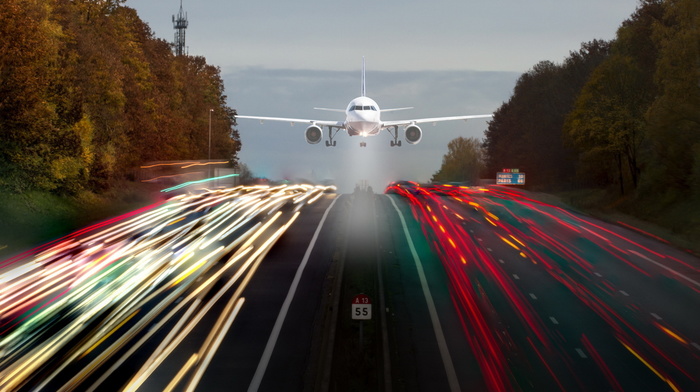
(363, 118)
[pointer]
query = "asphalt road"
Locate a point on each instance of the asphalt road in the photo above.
(470, 289)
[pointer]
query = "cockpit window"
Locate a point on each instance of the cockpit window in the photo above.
(358, 107)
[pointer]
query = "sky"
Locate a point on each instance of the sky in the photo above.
(443, 57)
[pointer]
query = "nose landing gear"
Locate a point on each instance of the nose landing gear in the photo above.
(363, 144)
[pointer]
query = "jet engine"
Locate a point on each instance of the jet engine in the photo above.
(413, 134)
(313, 134)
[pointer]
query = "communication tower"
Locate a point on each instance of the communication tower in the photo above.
(180, 25)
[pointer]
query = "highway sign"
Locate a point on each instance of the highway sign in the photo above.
(510, 178)
(361, 307)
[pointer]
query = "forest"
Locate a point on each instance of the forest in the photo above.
(622, 115)
(87, 94)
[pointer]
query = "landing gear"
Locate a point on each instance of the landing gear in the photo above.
(330, 142)
(363, 144)
(395, 134)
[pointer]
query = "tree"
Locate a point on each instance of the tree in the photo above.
(463, 162)
(674, 116)
(245, 175)
(607, 126)
(526, 131)
(87, 94)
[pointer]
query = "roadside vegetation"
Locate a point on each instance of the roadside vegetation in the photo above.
(87, 94)
(36, 217)
(615, 128)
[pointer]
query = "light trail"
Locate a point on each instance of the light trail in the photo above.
(107, 283)
(568, 250)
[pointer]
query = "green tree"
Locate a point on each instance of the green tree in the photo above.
(526, 131)
(606, 126)
(463, 162)
(674, 116)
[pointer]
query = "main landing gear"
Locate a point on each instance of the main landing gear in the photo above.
(330, 142)
(395, 134)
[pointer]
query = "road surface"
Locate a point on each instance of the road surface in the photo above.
(251, 289)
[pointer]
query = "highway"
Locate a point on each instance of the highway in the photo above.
(552, 300)
(250, 288)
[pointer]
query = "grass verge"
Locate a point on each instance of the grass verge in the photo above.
(677, 222)
(32, 218)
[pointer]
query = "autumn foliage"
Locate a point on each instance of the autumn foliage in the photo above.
(621, 115)
(87, 93)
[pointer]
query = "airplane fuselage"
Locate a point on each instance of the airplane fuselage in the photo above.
(362, 117)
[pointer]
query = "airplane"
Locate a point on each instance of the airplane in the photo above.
(363, 118)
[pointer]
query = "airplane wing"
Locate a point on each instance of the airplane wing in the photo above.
(321, 123)
(386, 124)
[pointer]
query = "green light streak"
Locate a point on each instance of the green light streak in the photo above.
(196, 182)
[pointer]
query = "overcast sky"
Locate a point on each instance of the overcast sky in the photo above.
(444, 57)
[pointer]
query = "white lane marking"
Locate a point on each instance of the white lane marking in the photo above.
(515, 276)
(656, 316)
(489, 249)
(554, 321)
(695, 345)
(442, 344)
(671, 270)
(265, 359)
(501, 261)
(581, 353)
(623, 292)
(533, 296)
(598, 274)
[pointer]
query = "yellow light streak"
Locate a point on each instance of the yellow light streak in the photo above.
(110, 333)
(671, 334)
(659, 375)
(178, 377)
(204, 164)
(509, 243)
(163, 164)
(517, 240)
(195, 266)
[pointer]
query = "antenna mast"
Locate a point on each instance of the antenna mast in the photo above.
(180, 25)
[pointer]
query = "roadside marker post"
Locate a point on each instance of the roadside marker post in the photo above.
(361, 310)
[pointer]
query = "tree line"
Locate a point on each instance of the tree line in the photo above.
(622, 115)
(87, 94)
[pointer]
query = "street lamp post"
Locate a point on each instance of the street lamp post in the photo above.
(209, 155)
